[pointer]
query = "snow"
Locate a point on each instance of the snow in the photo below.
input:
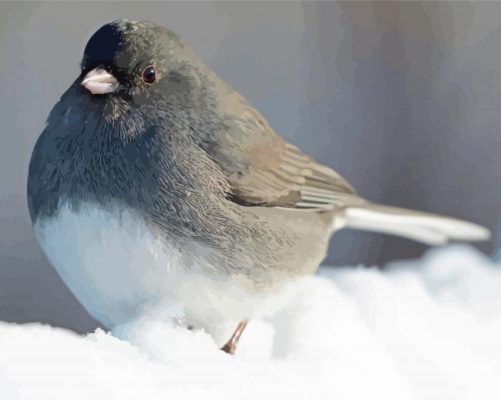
(424, 329)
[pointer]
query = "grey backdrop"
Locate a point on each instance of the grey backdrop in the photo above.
(404, 99)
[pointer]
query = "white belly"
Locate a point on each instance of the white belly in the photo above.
(117, 267)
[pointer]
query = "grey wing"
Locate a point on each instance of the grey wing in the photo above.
(263, 169)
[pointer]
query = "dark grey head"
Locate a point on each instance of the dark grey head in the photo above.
(127, 64)
(126, 58)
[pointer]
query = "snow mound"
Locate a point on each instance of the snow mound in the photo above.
(427, 329)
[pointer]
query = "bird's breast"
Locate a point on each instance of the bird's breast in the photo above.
(111, 261)
(117, 266)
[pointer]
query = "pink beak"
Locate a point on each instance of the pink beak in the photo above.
(99, 81)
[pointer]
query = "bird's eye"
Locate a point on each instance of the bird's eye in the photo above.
(149, 74)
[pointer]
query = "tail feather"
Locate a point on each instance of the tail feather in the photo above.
(420, 226)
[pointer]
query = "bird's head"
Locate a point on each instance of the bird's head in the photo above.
(128, 58)
(134, 75)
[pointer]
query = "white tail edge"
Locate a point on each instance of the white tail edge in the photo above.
(420, 226)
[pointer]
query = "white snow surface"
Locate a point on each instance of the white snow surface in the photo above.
(424, 329)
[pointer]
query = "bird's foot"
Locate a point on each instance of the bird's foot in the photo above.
(231, 345)
(229, 348)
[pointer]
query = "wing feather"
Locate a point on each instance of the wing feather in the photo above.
(265, 170)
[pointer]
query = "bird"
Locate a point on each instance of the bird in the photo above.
(154, 182)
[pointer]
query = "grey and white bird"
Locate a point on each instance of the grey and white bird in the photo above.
(154, 182)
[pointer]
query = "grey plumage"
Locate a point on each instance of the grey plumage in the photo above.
(160, 152)
(199, 164)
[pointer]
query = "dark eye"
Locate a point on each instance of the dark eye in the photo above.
(149, 74)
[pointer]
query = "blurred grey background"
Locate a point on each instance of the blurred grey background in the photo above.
(403, 99)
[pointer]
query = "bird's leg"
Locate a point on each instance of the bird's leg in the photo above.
(231, 345)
